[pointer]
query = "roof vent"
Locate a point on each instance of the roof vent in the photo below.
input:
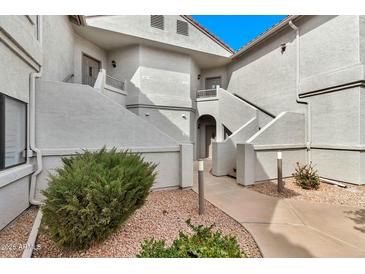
(182, 27)
(157, 21)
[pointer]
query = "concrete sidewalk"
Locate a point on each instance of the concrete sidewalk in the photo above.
(288, 228)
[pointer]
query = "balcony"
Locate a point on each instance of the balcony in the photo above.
(206, 93)
(114, 82)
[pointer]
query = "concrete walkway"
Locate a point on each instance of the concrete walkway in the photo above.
(288, 228)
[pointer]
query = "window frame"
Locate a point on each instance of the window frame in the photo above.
(2, 132)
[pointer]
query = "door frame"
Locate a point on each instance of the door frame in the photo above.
(213, 77)
(83, 55)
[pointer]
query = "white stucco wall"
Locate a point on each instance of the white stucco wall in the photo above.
(83, 46)
(333, 120)
(233, 112)
(362, 38)
(20, 55)
(79, 120)
(62, 61)
(165, 77)
(127, 68)
(139, 26)
(58, 48)
(214, 72)
(71, 117)
(265, 76)
(19, 58)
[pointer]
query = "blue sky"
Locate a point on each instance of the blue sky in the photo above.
(237, 30)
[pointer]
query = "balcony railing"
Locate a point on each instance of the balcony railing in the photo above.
(114, 82)
(204, 93)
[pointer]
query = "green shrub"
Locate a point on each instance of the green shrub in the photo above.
(202, 244)
(93, 193)
(306, 176)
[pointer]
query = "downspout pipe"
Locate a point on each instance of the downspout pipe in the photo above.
(298, 100)
(32, 145)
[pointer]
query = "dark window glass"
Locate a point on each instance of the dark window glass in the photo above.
(13, 126)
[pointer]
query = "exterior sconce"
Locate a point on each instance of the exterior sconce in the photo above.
(183, 116)
(147, 114)
(283, 47)
(114, 64)
(199, 76)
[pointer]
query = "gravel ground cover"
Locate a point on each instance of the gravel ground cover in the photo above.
(14, 236)
(351, 196)
(162, 217)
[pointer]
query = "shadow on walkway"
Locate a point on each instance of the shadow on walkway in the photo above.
(286, 228)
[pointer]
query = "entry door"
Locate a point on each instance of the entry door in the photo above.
(210, 137)
(90, 70)
(213, 82)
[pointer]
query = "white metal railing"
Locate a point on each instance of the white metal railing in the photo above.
(114, 82)
(106, 80)
(203, 93)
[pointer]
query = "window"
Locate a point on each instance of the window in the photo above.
(157, 21)
(13, 127)
(182, 27)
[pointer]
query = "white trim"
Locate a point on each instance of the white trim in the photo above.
(11, 175)
(72, 151)
(19, 51)
(238, 130)
(202, 99)
(113, 89)
(257, 134)
(279, 147)
(338, 147)
(28, 250)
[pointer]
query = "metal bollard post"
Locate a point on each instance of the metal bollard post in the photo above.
(201, 186)
(280, 172)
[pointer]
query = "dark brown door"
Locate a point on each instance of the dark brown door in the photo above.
(213, 82)
(209, 138)
(90, 70)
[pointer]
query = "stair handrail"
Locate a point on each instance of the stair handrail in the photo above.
(68, 78)
(255, 106)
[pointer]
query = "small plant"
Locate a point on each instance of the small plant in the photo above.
(202, 244)
(306, 176)
(93, 193)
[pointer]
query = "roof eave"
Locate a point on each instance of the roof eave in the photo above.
(276, 28)
(208, 33)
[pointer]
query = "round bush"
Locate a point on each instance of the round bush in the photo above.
(93, 193)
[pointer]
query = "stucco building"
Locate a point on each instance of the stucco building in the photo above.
(166, 87)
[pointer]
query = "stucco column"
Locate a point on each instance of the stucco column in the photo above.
(246, 164)
(186, 165)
